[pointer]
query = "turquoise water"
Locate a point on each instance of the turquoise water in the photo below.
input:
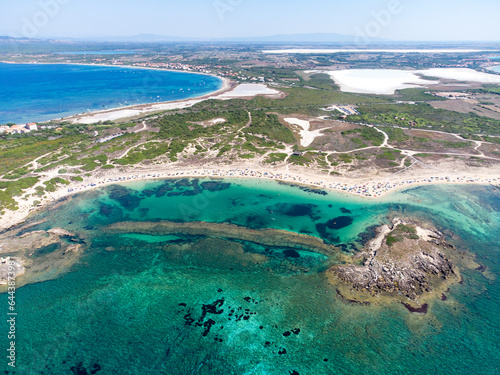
(142, 304)
(496, 68)
(41, 92)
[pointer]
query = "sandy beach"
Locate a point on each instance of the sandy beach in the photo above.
(369, 187)
(229, 90)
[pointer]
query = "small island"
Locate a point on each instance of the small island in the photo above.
(405, 262)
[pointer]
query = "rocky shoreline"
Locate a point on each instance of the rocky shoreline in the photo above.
(38, 255)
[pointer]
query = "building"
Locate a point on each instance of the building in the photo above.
(3, 129)
(18, 129)
(32, 126)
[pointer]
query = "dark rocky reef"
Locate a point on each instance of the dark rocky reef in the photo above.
(267, 237)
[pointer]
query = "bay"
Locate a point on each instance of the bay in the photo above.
(42, 92)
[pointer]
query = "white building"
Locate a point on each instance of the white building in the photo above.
(32, 126)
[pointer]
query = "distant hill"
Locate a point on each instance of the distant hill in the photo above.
(140, 38)
(302, 38)
(291, 38)
(10, 40)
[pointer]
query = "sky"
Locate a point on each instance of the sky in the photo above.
(401, 20)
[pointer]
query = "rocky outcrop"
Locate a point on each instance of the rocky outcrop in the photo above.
(403, 260)
(10, 268)
(60, 232)
(37, 255)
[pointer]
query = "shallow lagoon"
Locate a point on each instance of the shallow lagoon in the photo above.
(146, 304)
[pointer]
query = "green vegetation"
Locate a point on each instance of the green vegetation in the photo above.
(127, 125)
(17, 152)
(368, 134)
(396, 134)
(53, 184)
(321, 81)
(417, 95)
(449, 144)
(400, 233)
(15, 188)
(185, 125)
(424, 116)
(73, 150)
(18, 173)
(493, 89)
(276, 158)
(269, 126)
(7, 202)
(344, 158)
(148, 151)
(391, 240)
(389, 154)
(11, 189)
(246, 156)
(299, 160)
(298, 98)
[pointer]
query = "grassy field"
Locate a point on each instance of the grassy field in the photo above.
(424, 116)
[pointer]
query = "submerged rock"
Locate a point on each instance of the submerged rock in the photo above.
(60, 232)
(267, 237)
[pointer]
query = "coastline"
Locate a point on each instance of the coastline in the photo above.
(134, 110)
(226, 92)
(369, 188)
(113, 113)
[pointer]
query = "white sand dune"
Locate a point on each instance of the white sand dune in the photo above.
(307, 136)
(217, 121)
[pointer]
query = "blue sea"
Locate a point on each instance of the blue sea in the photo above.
(36, 92)
(157, 304)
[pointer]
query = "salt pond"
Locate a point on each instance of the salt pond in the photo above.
(387, 81)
